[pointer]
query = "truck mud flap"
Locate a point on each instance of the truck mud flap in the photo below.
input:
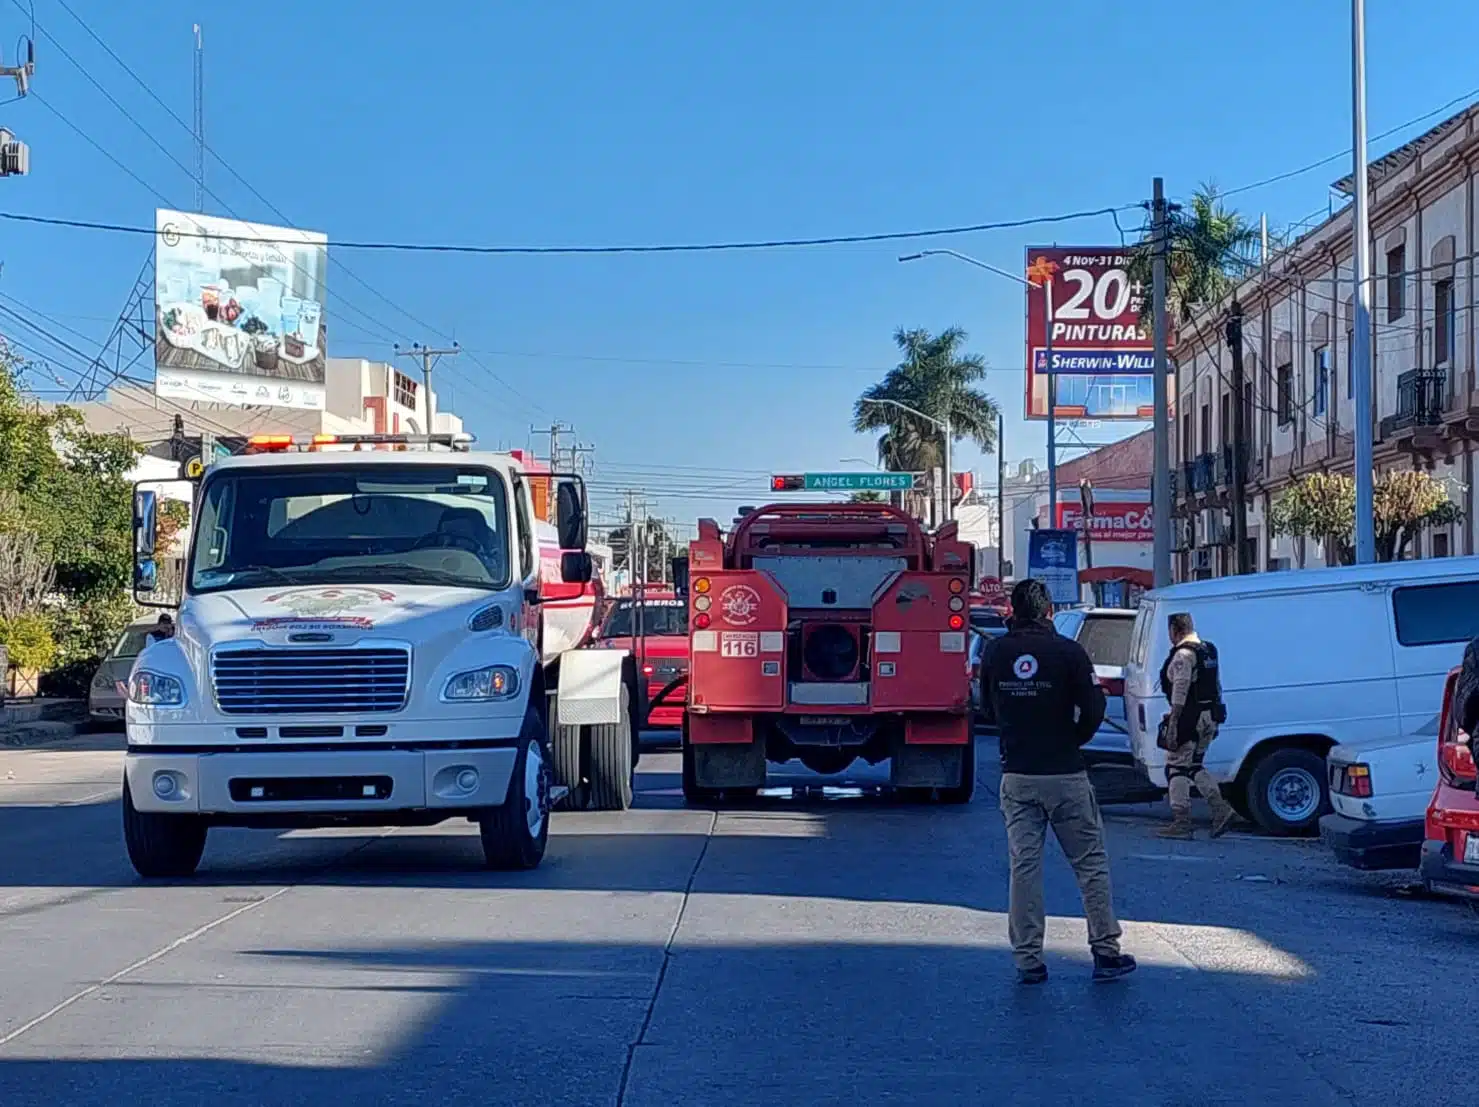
(730, 765)
(915, 766)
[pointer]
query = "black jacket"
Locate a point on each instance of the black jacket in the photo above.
(1046, 702)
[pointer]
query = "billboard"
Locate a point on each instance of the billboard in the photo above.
(1052, 557)
(1111, 522)
(1102, 357)
(238, 312)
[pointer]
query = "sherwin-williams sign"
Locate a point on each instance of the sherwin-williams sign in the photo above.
(239, 312)
(1111, 522)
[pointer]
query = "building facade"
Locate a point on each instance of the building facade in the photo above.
(1297, 393)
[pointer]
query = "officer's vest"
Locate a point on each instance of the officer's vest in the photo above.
(1205, 693)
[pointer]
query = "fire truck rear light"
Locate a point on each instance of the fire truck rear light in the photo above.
(957, 586)
(701, 620)
(957, 621)
(957, 604)
(701, 585)
(702, 603)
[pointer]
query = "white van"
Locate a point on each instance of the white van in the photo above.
(1353, 656)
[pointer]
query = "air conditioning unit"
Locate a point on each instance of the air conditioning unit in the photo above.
(1213, 527)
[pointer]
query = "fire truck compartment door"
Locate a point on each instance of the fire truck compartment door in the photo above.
(590, 687)
(828, 581)
(739, 660)
(919, 663)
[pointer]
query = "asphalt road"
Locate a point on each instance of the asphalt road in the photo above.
(847, 951)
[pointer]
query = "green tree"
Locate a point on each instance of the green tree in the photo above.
(867, 498)
(934, 377)
(1211, 248)
(1322, 506)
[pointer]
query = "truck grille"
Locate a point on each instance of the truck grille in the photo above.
(290, 682)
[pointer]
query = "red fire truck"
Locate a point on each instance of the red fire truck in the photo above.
(826, 633)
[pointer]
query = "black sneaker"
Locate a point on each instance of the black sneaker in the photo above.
(1112, 967)
(1036, 975)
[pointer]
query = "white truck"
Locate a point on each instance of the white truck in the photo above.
(361, 638)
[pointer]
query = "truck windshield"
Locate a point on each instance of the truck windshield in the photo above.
(660, 617)
(365, 524)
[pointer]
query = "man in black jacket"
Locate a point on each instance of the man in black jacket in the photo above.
(1047, 707)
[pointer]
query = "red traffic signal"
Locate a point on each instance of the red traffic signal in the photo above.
(787, 483)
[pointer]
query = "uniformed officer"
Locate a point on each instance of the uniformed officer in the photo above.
(1047, 706)
(1193, 687)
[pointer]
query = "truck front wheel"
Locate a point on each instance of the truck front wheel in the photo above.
(516, 834)
(161, 847)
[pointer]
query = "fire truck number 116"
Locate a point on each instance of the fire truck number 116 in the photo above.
(739, 644)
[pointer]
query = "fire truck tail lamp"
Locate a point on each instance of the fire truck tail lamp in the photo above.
(957, 621)
(701, 620)
(701, 585)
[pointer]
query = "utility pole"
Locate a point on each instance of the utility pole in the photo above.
(1237, 451)
(1160, 485)
(15, 155)
(1001, 497)
(1047, 341)
(429, 358)
(948, 511)
(1361, 344)
(556, 431)
(200, 122)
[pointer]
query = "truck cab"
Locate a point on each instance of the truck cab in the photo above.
(359, 640)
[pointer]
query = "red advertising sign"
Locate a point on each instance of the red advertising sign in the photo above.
(1111, 522)
(1103, 359)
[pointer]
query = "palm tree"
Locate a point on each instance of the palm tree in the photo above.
(1211, 248)
(935, 378)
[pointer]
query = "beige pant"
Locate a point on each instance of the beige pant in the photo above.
(1186, 759)
(1030, 804)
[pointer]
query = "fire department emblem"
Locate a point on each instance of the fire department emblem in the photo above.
(325, 608)
(740, 604)
(1025, 667)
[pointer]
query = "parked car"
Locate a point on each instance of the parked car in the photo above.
(1450, 850)
(106, 695)
(1354, 656)
(982, 635)
(1380, 795)
(1105, 634)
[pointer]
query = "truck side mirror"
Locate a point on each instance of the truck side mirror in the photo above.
(680, 577)
(570, 514)
(576, 567)
(146, 522)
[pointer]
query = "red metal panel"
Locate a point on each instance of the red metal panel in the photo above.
(921, 674)
(737, 662)
(717, 729)
(937, 730)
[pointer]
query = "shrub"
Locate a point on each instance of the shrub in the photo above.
(28, 642)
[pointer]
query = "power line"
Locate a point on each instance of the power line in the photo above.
(651, 248)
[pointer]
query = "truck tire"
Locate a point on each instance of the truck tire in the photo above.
(516, 833)
(161, 847)
(965, 791)
(612, 770)
(1287, 791)
(568, 761)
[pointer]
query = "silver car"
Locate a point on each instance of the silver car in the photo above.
(1104, 633)
(109, 688)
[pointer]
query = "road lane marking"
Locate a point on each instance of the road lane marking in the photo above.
(164, 951)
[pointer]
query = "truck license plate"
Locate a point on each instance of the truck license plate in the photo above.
(1471, 848)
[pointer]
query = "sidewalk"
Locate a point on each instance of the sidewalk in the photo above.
(26, 724)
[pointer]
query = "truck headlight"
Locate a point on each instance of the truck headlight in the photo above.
(496, 682)
(155, 689)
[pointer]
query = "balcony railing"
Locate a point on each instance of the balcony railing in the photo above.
(1419, 400)
(1199, 474)
(1227, 457)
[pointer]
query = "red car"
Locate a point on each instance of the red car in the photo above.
(662, 650)
(1450, 855)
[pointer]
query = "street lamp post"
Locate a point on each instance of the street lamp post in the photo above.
(1047, 292)
(943, 426)
(1361, 319)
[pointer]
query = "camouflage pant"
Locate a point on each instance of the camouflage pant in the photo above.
(1184, 768)
(1030, 804)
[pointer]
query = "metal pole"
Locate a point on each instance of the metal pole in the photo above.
(1160, 485)
(948, 511)
(1047, 293)
(1361, 344)
(426, 354)
(1001, 497)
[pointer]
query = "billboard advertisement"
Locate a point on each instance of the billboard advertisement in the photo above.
(1111, 522)
(1103, 358)
(239, 312)
(1052, 557)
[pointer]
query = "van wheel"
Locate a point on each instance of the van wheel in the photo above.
(1287, 792)
(516, 833)
(612, 771)
(161, 847)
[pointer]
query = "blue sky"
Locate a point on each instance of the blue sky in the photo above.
(588, 123)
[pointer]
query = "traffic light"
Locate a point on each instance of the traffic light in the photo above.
(793, 483)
